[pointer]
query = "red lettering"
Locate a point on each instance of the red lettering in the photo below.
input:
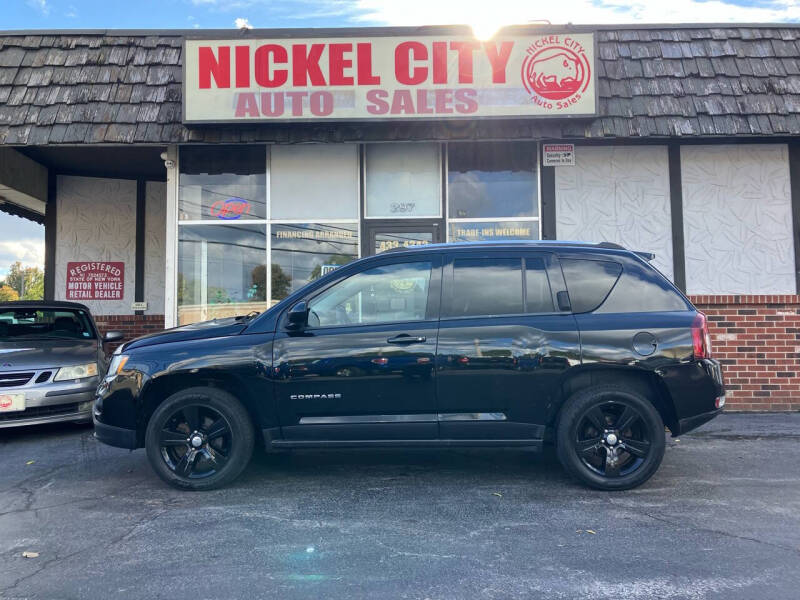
(297, 102)
(321, 103)
(402, 63)
(402, 103)
(364, 57)
(210, 66)
(444, 98)
(379, 105)
(338, 63)
(466, 101)
(246, 105)
(264, 77)
(272, 104)
(242, 66)
(439, 62)
(498, 59)
(423, 108)
(465, 66)
(305, 66)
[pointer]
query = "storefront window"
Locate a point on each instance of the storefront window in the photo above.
(304, 252)
(223, 183)
(403, 180)
(497, 230)
(492, 180)
(221, 271)
(314, 182)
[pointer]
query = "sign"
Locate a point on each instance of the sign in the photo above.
(558, 155)
(95, 280)
(138, 306)
(325, 269)
(377, 78)
(229, 209)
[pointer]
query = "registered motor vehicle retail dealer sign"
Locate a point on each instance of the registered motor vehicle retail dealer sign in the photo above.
(95, 280)
(426, 77)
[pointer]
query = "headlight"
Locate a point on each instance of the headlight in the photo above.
(76, 372)
(117, 364)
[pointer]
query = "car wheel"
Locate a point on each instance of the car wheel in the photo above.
(199, 439)
(610, 437)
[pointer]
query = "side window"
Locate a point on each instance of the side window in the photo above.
(385, 294)
(538, 296)
(589, 281)
(642, 289)
(486, 286)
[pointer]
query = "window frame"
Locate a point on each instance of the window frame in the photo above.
(552, 269)
(432, 305)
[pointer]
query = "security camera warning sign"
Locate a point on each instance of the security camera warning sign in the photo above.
(95, 280)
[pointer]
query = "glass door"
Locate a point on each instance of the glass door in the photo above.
(382, 237)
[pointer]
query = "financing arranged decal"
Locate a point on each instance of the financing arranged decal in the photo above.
(431, 77)
(95, 280)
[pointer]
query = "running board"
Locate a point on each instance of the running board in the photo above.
(280, 444)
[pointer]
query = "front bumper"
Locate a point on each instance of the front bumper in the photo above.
(52, 406)
(114, 436)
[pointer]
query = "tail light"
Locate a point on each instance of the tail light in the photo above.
(701, 340)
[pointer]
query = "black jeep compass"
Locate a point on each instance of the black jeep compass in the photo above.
(490, 344)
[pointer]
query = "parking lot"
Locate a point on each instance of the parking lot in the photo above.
(721, 519)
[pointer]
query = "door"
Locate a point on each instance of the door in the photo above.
(363, 367)
(381, 237)
(503, 344)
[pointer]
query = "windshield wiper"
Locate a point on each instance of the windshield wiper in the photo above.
(251, 315)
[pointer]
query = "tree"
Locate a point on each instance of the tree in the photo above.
(8, 294)
(281, 283)
(28, 281)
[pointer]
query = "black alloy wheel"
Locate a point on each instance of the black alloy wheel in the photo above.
(611, 437)
(199, 439)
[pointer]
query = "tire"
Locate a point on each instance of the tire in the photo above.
(633, 432)
(218, 425)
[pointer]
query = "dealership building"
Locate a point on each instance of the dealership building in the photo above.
(187, 175)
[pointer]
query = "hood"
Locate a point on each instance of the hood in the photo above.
(195, 331)
(45, 354)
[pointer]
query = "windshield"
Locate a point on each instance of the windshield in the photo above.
(41, 323)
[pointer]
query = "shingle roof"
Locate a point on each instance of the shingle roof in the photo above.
(125, 87)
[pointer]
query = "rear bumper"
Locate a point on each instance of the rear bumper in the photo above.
(695, 421)
(119, 437)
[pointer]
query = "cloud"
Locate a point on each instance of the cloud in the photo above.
(40, 5)
(72, 12)
(28, 251)
(242, 23)
(504, 12)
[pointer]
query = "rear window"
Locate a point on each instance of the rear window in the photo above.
(487, 286)
(33, 323)
(589, 281)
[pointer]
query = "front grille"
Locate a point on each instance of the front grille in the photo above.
(40, 411)
(14, 379)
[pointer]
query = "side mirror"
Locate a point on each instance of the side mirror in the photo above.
(113, 336)
(298, 314)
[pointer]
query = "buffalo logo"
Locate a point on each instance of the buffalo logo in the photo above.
(555, 72)
(230, 209)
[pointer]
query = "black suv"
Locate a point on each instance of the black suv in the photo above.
(490, 344)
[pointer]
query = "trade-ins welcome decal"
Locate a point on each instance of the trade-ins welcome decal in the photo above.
(439, 77)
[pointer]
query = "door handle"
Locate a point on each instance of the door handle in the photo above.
(404, 338)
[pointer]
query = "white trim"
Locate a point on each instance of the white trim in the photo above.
(171, 246)
(492, 220)
(313, 221)
(268, 227)
(224, 222)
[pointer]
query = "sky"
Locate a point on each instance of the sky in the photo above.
(24, 241)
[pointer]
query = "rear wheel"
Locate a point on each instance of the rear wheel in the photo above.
(199, 439)
(610, 437)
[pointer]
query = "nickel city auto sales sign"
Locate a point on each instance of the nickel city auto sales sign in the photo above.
(430, 77)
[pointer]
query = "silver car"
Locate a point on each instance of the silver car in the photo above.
(51, 360)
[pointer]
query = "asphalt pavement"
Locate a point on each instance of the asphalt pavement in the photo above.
(720, 519)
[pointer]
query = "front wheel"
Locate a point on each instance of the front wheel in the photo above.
(610, 437)
(199, 439)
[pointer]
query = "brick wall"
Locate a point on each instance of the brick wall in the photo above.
(757, 340)
(131, 326)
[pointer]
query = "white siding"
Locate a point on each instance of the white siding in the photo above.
(155, 246)
(737, 219)
(617, 194)
(96, 221)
